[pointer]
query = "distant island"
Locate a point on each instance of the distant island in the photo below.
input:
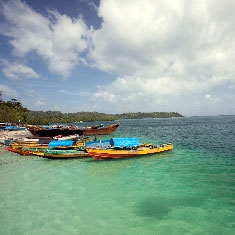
(58, 117)
(13, 111)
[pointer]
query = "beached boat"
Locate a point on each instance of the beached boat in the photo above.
(16, 145)
(2, 125)
(125, 148)
(98, 144)
(24, 152)
(38, 153)
(51, 132)
(29, 148)
(74, 130)
(8, 148)
(74, 144)
(23, 141)
(46, 141)
(58, 153)
(69, 137)
(7, 127)
(42, 140)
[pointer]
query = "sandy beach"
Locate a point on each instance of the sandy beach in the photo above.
(14, 135)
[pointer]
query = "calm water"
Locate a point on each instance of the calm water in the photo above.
(190, 190)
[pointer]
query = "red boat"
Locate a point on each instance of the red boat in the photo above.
(101, 130)
(124, 148)
(11, 150)
(126, 153)
(19, 151)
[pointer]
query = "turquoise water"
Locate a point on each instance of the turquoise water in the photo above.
(190, 190)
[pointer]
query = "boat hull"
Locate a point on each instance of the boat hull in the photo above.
(63, 155)
(114, 154)
(39, 154)
(10, 149)
(55, 132)
(101, 131)
(88, 131)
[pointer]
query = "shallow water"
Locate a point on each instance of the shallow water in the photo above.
(190, 190)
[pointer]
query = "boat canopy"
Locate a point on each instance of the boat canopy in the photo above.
(14, 128)
(11, 127)
(98, 143)
(59, 143)
(124, 142)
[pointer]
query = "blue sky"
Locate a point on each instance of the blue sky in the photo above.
(119, 56)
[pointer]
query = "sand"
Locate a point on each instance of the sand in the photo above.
(14, 135)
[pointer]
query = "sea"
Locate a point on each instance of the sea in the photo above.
(189, 190)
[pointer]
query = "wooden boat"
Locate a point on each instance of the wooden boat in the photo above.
(101, 130)
(126, 147)
(69, 137)
(44, 143)
(32, 151)
(12, 128)
(50, 132)
(36, 140)
(25, 150)
(39, 131)
(28, 148)
(8, 148)
(65, 144)
(38, 153)
(29, 145)
(2, 125)
(62, 154)
(95, 126)
(28, 141)
(65, 149)
(125, 153)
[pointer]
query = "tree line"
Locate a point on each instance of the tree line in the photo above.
(13, 111)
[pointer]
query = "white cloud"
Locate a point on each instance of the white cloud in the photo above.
(7, 91)
(166, 54)
(40, 103)
(164, 51)
(58, 39)
(33, 101)
(17, 70)
(67, 92)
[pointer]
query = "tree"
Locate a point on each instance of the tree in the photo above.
(12, 111)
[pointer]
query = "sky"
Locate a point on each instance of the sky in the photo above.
(116, 56)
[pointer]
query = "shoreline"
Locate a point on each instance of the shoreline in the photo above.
(14, 134)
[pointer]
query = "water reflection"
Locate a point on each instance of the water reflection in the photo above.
(111, 167)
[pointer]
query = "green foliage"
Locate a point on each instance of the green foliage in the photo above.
(141, 115)
(40, 117)
(13, 111)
